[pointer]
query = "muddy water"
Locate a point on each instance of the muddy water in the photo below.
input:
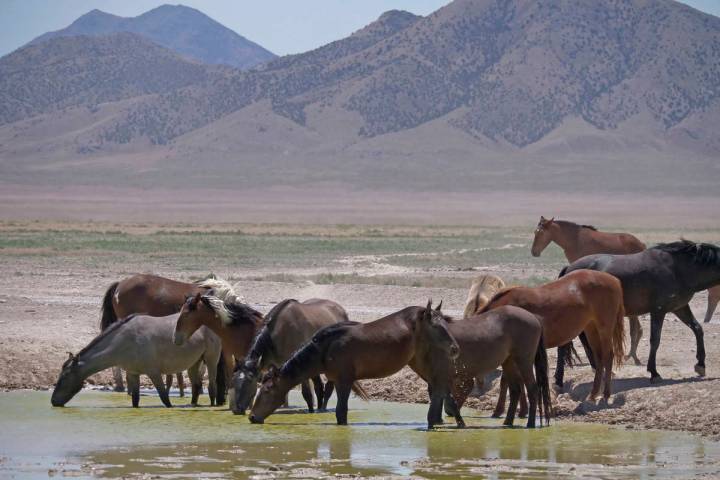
(98, 435)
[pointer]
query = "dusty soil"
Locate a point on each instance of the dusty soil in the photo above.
(47, 310)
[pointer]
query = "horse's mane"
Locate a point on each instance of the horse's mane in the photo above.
(316, 345)
(232, 311)
(495, 298)
(263, 340)
(110, 329)
(221, 288)
(566, 223)
(701, 253)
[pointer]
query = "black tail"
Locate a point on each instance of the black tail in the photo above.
(220, 381)
(570, 352)
(543, 383)
(108, 311)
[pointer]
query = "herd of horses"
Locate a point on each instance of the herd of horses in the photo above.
(157, 326)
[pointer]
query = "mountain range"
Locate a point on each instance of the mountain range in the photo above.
(527, 94)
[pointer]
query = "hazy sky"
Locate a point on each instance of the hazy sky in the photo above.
(282, 26)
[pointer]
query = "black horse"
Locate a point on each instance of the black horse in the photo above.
(659, 280)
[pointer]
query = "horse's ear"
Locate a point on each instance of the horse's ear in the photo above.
(205, 299)
(439, 306)
(210, 292)
(551, 220)
(542, 219)
(73, 358)
(427, 314)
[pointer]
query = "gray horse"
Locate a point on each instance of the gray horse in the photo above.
(140, 344)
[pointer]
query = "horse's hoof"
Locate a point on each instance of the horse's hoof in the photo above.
(700, 370)
(461, 424)
(655, 379)
(523, 414)
(497, 414)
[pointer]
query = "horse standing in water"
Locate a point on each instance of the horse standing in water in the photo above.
(659, 280)
(507, 336)
(288, 325)
(157, 297)
(351, 351)
(141, 344)
(578, 241)
(585, 301)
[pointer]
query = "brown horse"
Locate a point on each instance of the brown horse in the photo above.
(156, 297)
(507, 336)
(288, 325)
(351, 351)
(581, 301)
(234, 322)
(578, 241)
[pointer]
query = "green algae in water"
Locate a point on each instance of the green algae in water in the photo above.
(98, 434)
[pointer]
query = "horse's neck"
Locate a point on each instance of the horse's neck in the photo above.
(568, 239)
(702, 277)
(100, 356)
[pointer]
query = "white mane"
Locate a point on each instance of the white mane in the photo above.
(222, 289)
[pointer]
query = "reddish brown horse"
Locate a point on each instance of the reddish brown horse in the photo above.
(351, 351)
(156, 297)
(578, 241)
(507, 336)
(582, 301)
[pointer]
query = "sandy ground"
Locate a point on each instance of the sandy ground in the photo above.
(51, 310)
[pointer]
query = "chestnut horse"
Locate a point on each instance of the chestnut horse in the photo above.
(506, 336)
(583, 301)
(288, 325)
(351, 351)
(234, 322)
(578, 241)
(156, 297)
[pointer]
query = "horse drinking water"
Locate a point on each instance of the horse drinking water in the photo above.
(141, 344)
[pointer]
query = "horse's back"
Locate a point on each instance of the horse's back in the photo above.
(150, 294)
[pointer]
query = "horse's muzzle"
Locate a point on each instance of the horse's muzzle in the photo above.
(256, 420)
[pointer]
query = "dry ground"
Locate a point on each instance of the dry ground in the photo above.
(49, 305)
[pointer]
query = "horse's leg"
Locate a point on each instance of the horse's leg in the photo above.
(117, 376)
(195, 382)
(461, 388)
(530, 386)
(212, 377)
(454, 411)
(598, 351)
(318, 387)
(133, 383)
(157, 380)
(713, 299)
(307, 395)
(438, 420)
(437, 395)
(636, 332)
(562, 352)
(343, 394)
(500, 406)
(588, 349)
(607, 361)
(687, 317)
(329, 387)
(168, 381)
(523, 402)
(514, 386)
(181, 383)
(656, 324)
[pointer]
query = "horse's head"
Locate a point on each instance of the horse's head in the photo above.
(543, 236)
(272, 394)
(69, 383)
(244, 384)
(433, 328)
(194, 313)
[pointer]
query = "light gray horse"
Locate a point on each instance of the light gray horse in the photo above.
(141, 344)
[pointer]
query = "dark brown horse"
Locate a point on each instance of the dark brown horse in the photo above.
(507, 336)
(585, 301)
(659, 280)
(156, 297)
(351, 351)
(288, 325)
(578, 241)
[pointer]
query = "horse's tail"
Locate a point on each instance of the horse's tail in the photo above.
(618, 336)
(220, 381)
(571, 352)
(360, 391)
(108, 310)
(543, 383)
